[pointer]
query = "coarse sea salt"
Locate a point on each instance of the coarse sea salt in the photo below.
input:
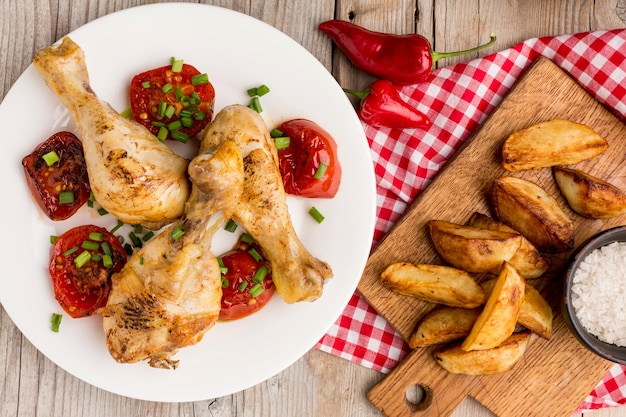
(599, 293)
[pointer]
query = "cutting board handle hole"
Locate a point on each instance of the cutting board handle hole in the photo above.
(418, 398)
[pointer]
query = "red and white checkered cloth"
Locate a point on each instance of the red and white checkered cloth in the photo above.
(458, 99)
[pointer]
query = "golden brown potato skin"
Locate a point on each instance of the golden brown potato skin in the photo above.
(443, 324)
(589, 196)
(535, 313)
(434, 283)
(555, 142)
(497, 321)
(473, 249)
(483, 362)
(530, 210)
(527, 260)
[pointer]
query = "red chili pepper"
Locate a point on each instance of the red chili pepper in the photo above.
(401, 59)
(381, 105)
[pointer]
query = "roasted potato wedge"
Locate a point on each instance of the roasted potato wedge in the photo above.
(555, 142)
(535, 313)
(527, 260)
(529, 209)
(434, 283)
(483, 362)
(589, 196)
(443, 324)
(497, 321)
(473, 249)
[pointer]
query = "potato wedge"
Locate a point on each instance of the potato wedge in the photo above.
(434, 283)
(484, 362)
(527, 260)
(443, 324)
(473, 249)
(498, 318)
(589, 196)
(555, 142)
(535, 313)
(530, 210)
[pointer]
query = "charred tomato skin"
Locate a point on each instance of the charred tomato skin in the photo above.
(309, 146)
(83, 291)
(69, 173)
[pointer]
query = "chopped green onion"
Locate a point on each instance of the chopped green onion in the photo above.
(66, 197)
(91, 199)
(200, 79)
(246, 238)
(186, 121)
(256, 290)
(230, 226)
(282, 142)
(275, 133)
(162, 134)
(199, 115)
(319, 217)
(89, 245)
(262, 90)
(102, 211)
(50, 158)
(141, 261)
(177, 65)
(146, 84)
(195, 98)
(251, 92)
(53, 239)
(161, 108)
(127, 113)
(97, 236)
(147, 236)
(260, 274)
(255, 104)
(55, 322)
(175, 125)
(178, 93)
(321, 169)
(242, 286)
(70, 251)
(169, 111)
(117, 226)
(157, 124)
(223, 269)
(128, 249)
(138, 229)
(96, 257)
(106, 248)
(107, 261)
(167, 88)
(225, 282)
(180, 136)
(82, 259)
(136, 242)
(257, 257)
(178, 232)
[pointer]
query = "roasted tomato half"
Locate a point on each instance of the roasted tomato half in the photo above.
(56, 175)
(247, 283)
(81, 264)
(173, 102)
(309, 164)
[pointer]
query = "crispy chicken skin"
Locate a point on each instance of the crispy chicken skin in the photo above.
(262, 209)
(134, 176)
(169, 293)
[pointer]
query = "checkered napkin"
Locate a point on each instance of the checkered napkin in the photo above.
(458, 99)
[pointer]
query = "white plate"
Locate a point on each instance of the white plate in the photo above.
(238, 52)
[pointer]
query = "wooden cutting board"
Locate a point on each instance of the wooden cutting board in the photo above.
(555, 375)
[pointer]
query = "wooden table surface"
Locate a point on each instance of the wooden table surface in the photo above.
(318, 384)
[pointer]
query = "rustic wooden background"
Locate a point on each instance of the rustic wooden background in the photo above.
(319, 384)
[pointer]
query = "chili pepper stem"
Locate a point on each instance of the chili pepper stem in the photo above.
(439, 55)
(359, 94)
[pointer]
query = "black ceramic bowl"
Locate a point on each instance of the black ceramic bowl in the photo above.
(605, 350)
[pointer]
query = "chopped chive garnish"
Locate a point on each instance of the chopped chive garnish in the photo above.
(66, 197)
(53, 239)
(91, 199)
(223, 269)
(195, 98)
(256, 290)
(117, 226)
(200, 79)
(55, 322)
(96, 257)
(106, 248)
(127, 113)
(321, 169)
(242, 286)
(89, 245)
(180, 136)
(178, 232)
(70, 251)
(231, 226)
(225, 282)
(175, 125)
(146, 84)
(199, 115)
(246, 238)
(255, 255)
(97, 236)
(315, 213)
(260, 274)
(128, 249)
(162, 134)
(102, 211)
(141, 261)
(169, 111)
(120, 239)
(177, 65)
(275, 133)
(136, 242)
(186, 121)
(107, 261)
(50, 158)
(161, 108)
(82, 259)
(178, 93)
(255, 104)
(282, 142)
(147, 236)
(157, 124)
(262, 90)
(251, 92)
(138, 229)
(167, 88)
